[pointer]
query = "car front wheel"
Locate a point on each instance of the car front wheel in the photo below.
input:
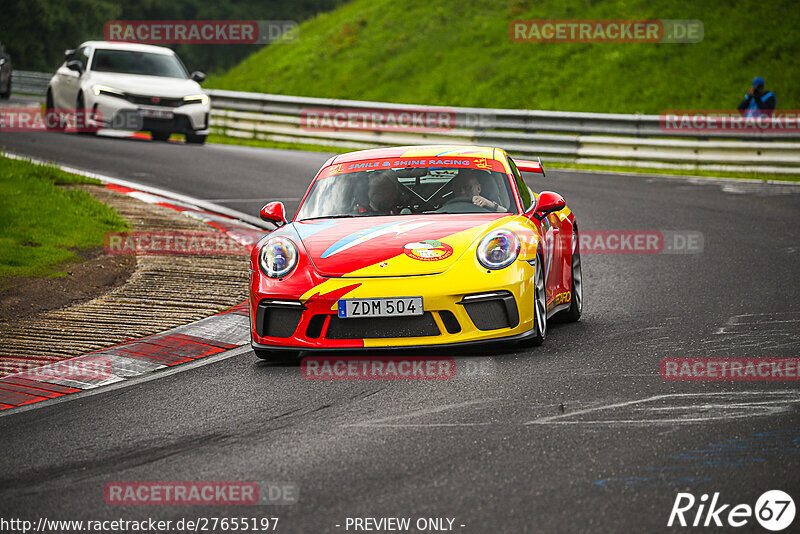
(195, 139)
(83, 121)
(52, 117)
(539, 305)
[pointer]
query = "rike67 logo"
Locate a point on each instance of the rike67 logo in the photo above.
(774, 510)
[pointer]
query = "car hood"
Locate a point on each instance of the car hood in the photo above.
(390, 246)
(148, 85)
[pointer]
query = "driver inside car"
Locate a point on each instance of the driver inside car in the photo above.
(467, 193)
(382, 196)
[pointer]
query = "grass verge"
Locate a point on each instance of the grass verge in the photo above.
(42, 225)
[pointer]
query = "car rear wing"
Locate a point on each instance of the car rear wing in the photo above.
(525, 165)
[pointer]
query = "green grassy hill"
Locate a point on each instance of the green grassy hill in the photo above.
(458, 53)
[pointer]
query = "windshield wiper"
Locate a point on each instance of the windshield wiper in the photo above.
(342, 215)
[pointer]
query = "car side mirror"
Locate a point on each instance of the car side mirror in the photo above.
(274, 212)
(546, 203)
(2, 61)
(199, 76)
(75, 65)
(68, 52)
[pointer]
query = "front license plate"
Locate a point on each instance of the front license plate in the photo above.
(156, 113)
(391, 307)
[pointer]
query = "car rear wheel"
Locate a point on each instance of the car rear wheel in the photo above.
(277, 356)
(160, 136)
(576, 294)
(539, 305)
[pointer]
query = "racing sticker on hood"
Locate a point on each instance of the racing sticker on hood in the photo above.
(366, 234)
(429, 250)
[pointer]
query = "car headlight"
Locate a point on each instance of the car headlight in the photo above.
(107, 91)
(498, 249)
(278, 257)
(196, 99)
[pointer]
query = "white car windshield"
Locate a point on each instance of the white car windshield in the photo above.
(132, 62)
(405, 191)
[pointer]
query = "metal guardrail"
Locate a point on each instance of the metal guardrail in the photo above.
(488, 119)
(596, 138)
(30, 83)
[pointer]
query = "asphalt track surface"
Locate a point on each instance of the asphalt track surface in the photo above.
(579, 435)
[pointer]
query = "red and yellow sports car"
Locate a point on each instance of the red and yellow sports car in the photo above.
(415, 247)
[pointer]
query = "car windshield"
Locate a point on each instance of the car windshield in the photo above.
(131, 62)
(408, 190)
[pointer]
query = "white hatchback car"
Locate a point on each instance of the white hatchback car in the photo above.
(133, 87)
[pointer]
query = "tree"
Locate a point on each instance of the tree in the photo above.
(36, 32)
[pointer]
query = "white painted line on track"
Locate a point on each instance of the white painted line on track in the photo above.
(420, 425)
(710, 407)
(781, 401)
(425, 411)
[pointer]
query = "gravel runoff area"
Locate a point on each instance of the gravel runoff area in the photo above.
(163, 292)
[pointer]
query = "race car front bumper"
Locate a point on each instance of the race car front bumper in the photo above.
(464, 305)
(120, 114)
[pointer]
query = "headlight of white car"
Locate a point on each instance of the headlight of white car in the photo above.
(498, 249)
(196, 99)
(107, 91)
(278, 257)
